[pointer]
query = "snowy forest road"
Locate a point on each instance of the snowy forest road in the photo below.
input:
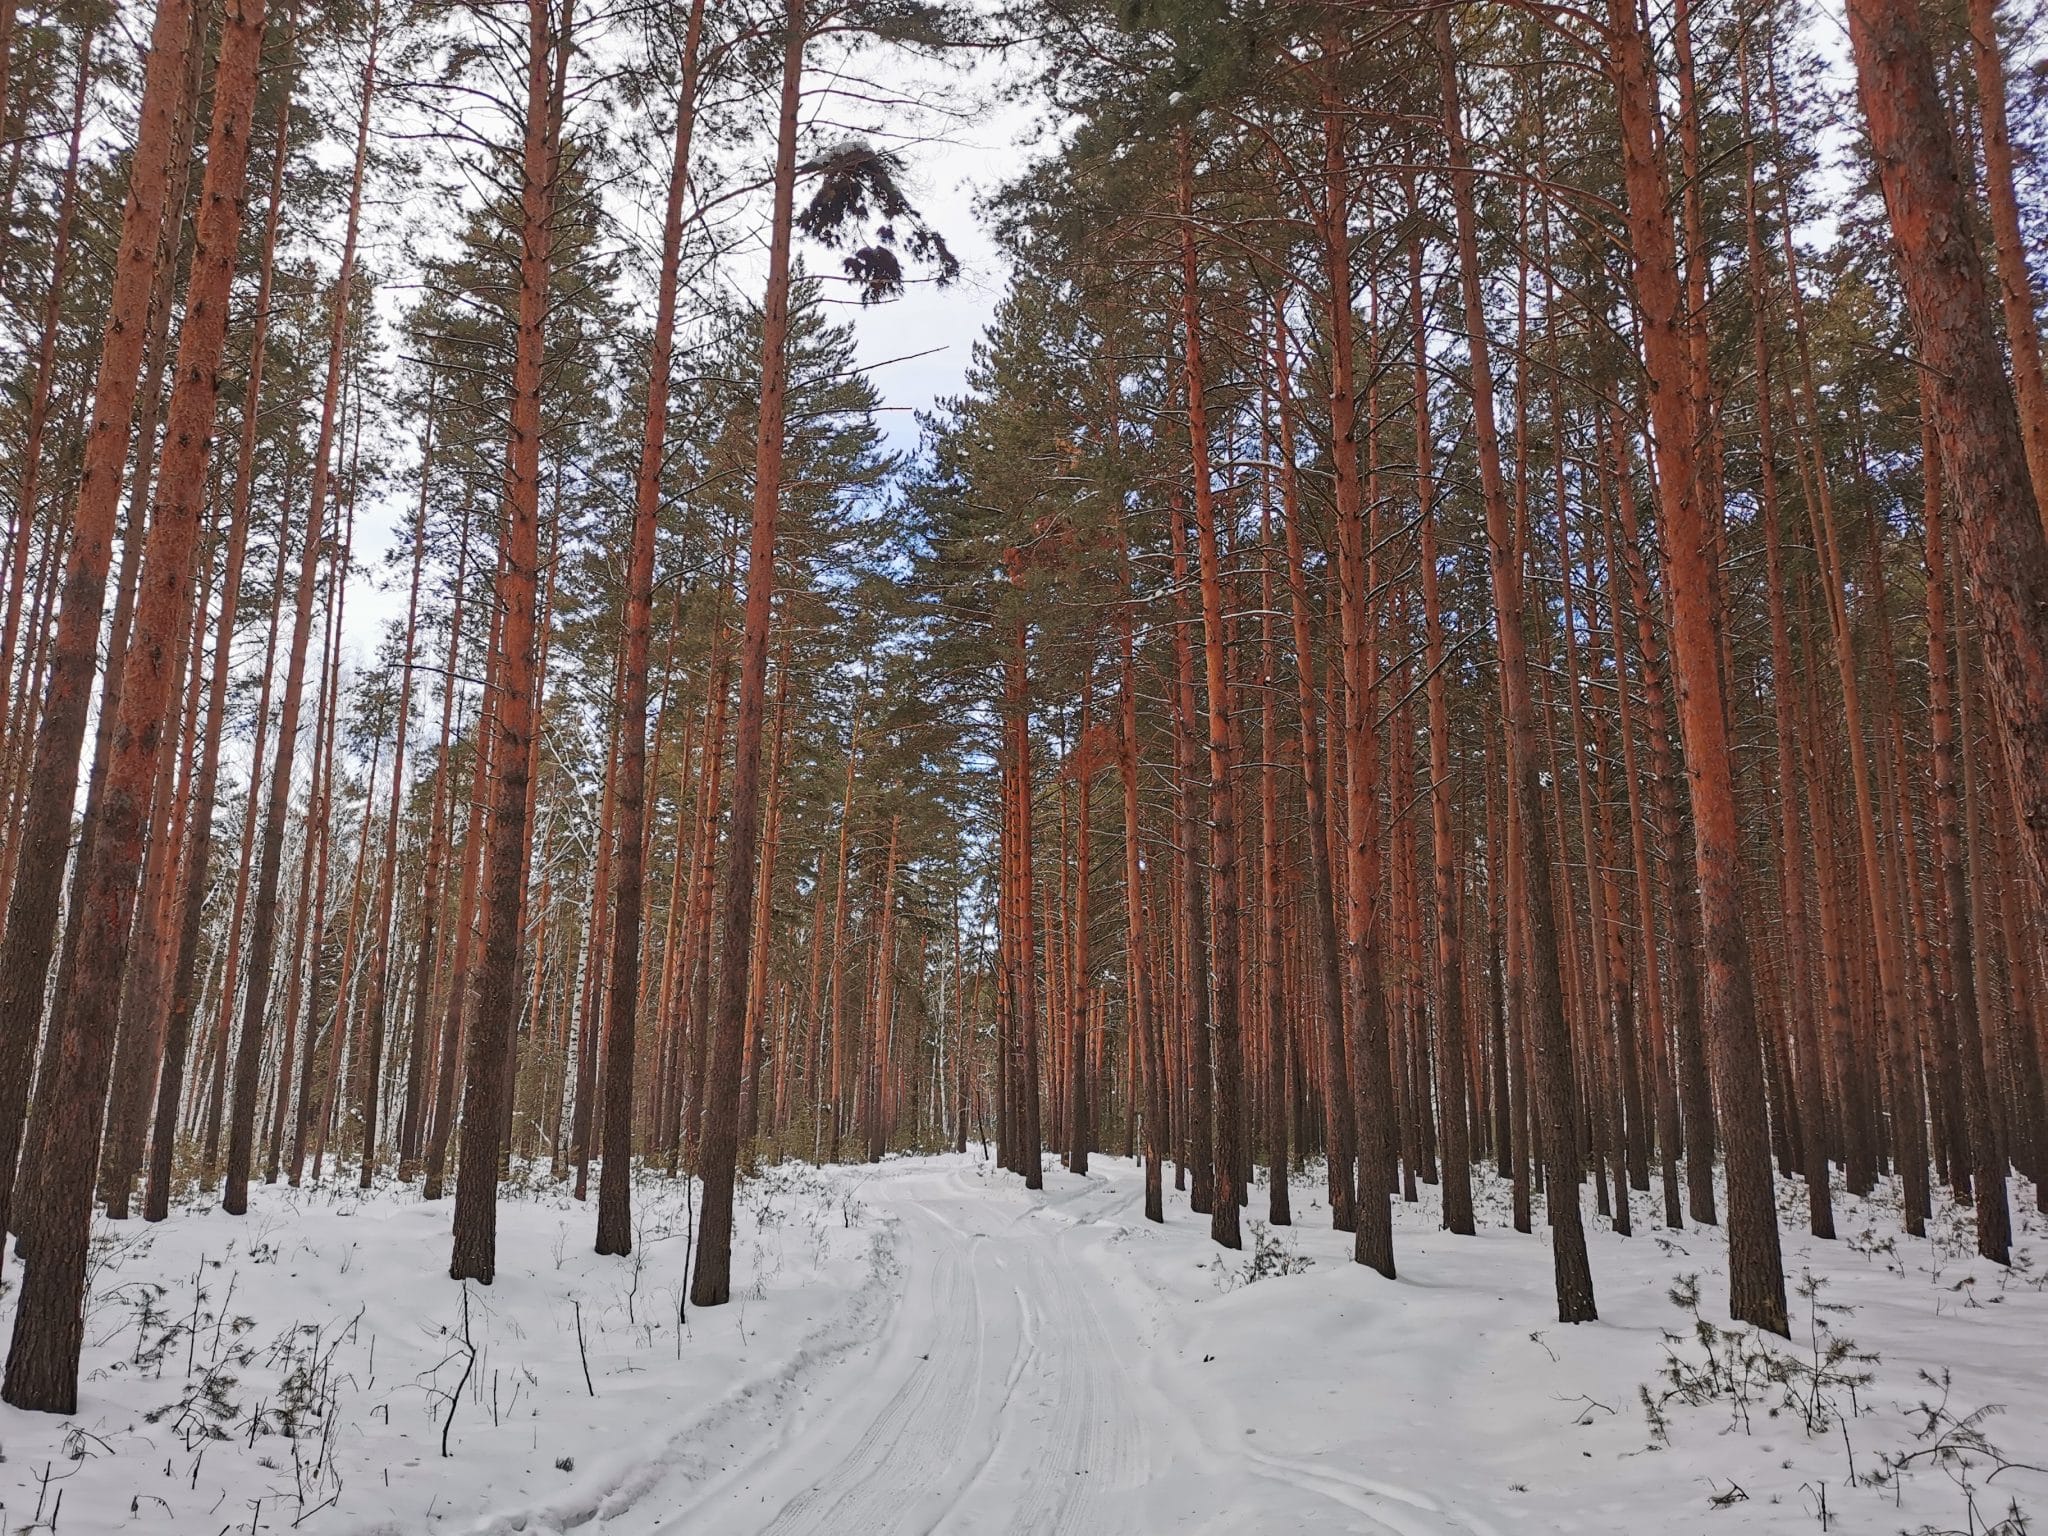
(923, 1345)
(1024, 1381)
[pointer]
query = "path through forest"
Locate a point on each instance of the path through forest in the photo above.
(923, 1345)
(1052, 1363)
(1028, 1380)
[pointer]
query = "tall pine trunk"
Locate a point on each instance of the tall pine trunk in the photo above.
(1555, 1089)
(42, 1363)
(711, 1281)
(614, 1187)
(1756, 1270)
(486, 1094)
(1340, 1128)
(40, 842)
(2005, 549)
(248, 1054)
(1450, 994)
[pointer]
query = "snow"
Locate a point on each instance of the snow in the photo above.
(926, 1346)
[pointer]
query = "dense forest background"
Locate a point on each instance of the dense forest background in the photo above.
(1432, 631)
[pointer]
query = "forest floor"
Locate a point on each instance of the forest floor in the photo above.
(926, 1346)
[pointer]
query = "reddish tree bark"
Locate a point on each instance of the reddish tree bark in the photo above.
(1986, 1159)
(41, 398)
(185, 976)
(628, 789)
(45, 828)
(1572, 1271)
(248, 1055)
(1450, 998)
(42, 1364)
(1340, 1131)
(2015, 282)
(1144, 1009)
(1272, 1013)
(711, 1280)
(485, 1100)
(2004, 545)
(1756, 1269)
(1080, 993)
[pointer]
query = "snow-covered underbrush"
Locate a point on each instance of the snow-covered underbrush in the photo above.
(1912, 1395)
(310, 1366)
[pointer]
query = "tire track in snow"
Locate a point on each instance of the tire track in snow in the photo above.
(762, 1402)
(1090, 1445)
(867, 1489)
(994, 1400)
(1399, 1509)
(1203, 1451)
(903, 1445)
(1002, 1393)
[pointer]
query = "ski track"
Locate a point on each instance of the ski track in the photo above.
(755, 1405)
(1007, 1394)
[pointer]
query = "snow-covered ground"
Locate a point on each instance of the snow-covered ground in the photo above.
(925, 1346)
